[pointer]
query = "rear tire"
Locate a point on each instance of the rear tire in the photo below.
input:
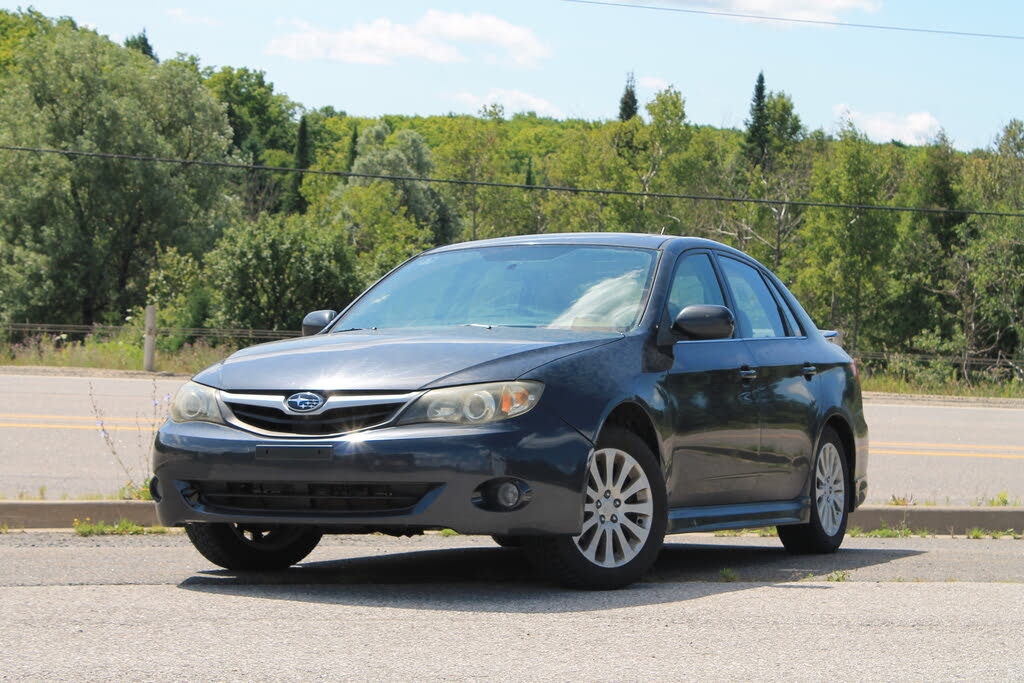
(247, 547)
(830, 506)
(624, 519)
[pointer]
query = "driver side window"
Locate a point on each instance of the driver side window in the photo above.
(694, 283)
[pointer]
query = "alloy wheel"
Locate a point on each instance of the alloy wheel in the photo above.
(830, 489)
(617, 511)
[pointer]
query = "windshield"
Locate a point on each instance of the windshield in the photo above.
(553, 286)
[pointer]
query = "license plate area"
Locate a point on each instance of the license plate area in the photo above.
(293, 453)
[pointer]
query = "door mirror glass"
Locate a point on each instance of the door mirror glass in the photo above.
(705, 322)
(316, 321)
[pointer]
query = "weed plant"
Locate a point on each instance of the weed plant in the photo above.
(119, 350)
(122, 527)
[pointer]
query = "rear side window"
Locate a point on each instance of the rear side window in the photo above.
(792, 327)
(757, 312)
(693, 284)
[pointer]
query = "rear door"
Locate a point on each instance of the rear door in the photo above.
(784, 384)
(711, 396)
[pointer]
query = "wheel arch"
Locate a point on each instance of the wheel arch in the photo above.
(842, 428)
(631, 416)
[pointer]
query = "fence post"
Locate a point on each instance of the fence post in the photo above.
(149, 340)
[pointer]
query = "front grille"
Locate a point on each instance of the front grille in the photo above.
(306, 497)
(332, 421)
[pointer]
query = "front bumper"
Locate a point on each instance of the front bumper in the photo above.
(449, 462)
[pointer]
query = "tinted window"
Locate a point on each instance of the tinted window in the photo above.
(559, 286)
(792, 327)
(694, 283)
(757, 313)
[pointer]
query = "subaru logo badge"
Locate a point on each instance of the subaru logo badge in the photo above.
(304, 402)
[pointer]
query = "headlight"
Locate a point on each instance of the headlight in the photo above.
(474, 403)
(196, 403)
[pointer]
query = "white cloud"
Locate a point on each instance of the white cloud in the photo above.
(511, 100)
(522, 46)
(811, 10)
(652, 82)
(917, 128)
(182, 15)
(379, 42)
(435, 37)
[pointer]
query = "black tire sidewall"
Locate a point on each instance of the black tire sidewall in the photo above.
(561, 556)
(220, 544)
(816, 540)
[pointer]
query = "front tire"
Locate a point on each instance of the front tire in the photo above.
(508, 541)
(830, 507)
(246, 547)
(624, 519)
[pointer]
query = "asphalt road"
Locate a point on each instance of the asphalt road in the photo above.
(51, 435)
(433, 608)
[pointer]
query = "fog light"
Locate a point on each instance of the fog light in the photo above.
(504, 494)
(507, 495)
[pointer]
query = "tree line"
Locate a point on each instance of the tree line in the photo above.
(87, 240)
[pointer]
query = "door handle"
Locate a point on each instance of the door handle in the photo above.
(747, 374)
(809, 370)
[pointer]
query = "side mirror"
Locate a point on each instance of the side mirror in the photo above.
(705, 322)
(316, 321)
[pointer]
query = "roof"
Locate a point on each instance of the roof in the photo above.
(616, 239)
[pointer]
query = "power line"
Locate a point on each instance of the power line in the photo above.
(816, 22)
(518, 186)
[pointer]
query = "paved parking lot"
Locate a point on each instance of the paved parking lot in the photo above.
(434, 608)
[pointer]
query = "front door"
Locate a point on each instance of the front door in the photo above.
(716, 431)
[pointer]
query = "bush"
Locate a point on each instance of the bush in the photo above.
(268, 273)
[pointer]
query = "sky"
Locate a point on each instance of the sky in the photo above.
(568, 59)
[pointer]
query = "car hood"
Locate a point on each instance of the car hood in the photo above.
(396, 360)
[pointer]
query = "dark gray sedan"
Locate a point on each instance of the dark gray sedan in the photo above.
(578, 396)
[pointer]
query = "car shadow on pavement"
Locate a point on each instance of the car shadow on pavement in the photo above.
(502, 580)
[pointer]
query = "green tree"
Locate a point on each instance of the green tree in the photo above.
(269, 272)
(986, 274)
(924, 250)
(758, 141)
(785, 129)
(263, 131)
(773, 165)
(181, 292)
(78, 235)
(628, 105)
(353, 149)
(647, 152)
(140, 42)
(383, 234)
(843, 278)
(294, 201)
(404, 154)
(383, 222)
(17, 27)
(472, 153)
